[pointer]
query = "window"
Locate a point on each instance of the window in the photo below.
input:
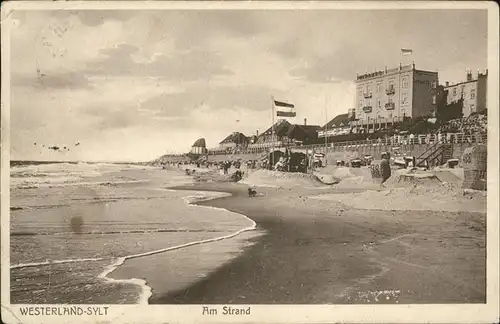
(405, 83)
(390, 100)
(472, 93)
(379, 87)
(379, 104)
(454, 92)
(472, 109)
(404, 97)
(434, 99)
(390, 115)
(360, 103)
(368, 89)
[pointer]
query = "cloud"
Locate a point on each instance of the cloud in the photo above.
(135, 84)
(253, 98)
(181, 66)
(199, 29)
(68, 80)
(94, 18)
(356, 41)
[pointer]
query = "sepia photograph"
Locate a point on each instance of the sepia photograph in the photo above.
(226, 162)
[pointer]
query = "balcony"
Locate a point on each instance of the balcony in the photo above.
(390, 91)
(367, 95)
(390, 106)
(367, 109)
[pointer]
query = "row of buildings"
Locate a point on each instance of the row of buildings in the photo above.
(392, 95)
(383, 100)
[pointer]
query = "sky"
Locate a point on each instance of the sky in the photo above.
(133, 85)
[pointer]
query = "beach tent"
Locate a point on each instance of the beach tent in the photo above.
(296, 159)
(274, 157)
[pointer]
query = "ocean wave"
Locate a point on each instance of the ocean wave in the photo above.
(49, 262)
(189, 199)
(25, 174)
(204, 196)
(146, 290)
(62, 183)
(146, 231)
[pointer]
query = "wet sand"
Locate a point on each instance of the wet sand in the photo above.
(323, 252)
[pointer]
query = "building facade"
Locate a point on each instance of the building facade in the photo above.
(199, 147)
(286, 133)
(233, 140)
(391, 95)
(340, 125)
(471, 92)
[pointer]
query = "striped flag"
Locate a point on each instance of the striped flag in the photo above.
(284, 109)
(406, 51)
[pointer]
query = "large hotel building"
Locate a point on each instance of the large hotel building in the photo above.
(472, 92)
(391, 95)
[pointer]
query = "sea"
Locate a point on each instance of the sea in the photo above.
(105, 233)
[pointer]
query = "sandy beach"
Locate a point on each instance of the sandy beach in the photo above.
(317, 251)
(298, 241)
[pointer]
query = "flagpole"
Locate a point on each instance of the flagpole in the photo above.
(272, 133)
(326, 129)
(399, 84)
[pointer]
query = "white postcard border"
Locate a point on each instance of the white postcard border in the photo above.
(458, 313)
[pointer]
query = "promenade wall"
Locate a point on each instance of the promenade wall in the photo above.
(346, 153)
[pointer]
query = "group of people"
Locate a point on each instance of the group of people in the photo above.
(474, 124)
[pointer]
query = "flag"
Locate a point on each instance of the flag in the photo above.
(286, 113)
(285, 109)
(283, 104)
(406, 51)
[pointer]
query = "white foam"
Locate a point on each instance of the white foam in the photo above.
(35, 264)
(146, 290)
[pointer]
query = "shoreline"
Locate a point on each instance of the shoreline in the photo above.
(105, 274)
(313, 252)
(142, 283)
(338, 253)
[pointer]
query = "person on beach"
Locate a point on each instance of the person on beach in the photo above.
(385, 168)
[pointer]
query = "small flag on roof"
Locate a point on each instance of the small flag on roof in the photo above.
(285, 109)
(406, 51)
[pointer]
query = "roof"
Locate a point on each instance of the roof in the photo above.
(200, 143)
(235, 137)
(337, 121)
(284, 128)
(446, 87)
(280, 128)
(308, 130)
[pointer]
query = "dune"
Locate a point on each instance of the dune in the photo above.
(269, 178)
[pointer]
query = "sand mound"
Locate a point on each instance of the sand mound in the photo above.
(409, 179)
(441, 197)
(342, 172)
(211, 176)
(450, 175)
(327, 179)
(281, 179)
(355, 178)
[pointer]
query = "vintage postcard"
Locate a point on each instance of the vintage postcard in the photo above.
(264, 162)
